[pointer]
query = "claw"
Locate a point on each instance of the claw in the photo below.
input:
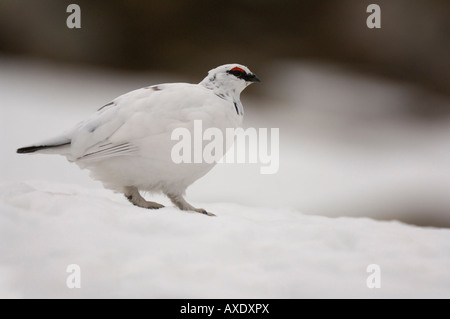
(204, 212)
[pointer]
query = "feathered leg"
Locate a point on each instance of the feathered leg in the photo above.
(182, 204)
(132, 194)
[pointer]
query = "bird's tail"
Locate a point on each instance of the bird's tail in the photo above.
(42, 149)
(54, 146)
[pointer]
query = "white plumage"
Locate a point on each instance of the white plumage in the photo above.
(127, 143)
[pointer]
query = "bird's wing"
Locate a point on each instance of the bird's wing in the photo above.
(107, 150)
(151, 111)
(93, 139)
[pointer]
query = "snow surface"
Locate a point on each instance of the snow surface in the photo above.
(262, 244)
(244, 252)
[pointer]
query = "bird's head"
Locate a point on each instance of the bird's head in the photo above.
(229, 78)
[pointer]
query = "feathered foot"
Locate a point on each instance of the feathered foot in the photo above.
(132, 194)
(181, 203)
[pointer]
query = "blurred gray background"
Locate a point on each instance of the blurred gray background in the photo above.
(364, 114)
(187, 36)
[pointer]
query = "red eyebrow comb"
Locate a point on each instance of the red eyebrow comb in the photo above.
(237, 69)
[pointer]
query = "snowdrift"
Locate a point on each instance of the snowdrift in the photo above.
(244, 252)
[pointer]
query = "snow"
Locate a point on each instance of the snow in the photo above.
(265, 241)
(245, 252)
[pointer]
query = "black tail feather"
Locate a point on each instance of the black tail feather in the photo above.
(32, 149)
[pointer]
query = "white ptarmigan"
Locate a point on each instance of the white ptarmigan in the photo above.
(127, 143)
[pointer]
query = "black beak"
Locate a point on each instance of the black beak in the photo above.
(252, 78)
